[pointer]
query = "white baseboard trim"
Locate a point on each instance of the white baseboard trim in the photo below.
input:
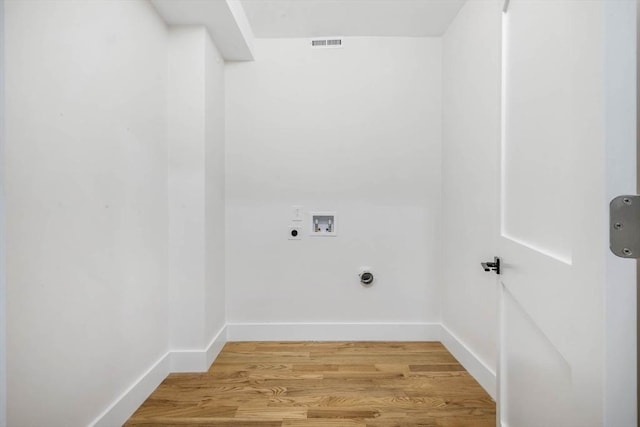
(333, 331)
(215, 346)
(120, 410)
(199, 360)
(174, 361)
(188, 361)
(467, 358)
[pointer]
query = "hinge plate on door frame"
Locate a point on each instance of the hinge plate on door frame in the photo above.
(624, 226)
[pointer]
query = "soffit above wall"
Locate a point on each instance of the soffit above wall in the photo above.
(225, 21)
(350, 18)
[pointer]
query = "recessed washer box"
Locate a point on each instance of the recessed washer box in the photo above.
(323, 224)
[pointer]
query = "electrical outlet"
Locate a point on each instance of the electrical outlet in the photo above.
(295, 232)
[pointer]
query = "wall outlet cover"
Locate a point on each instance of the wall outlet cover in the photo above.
(296, 213)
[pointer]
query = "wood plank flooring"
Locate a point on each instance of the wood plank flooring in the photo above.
(323, 384)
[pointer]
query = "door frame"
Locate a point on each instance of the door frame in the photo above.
(3, 293)
(621, 130)
(637, 192)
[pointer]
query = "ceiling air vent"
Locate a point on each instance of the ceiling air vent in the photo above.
(327, 43)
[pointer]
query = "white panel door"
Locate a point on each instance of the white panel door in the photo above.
(553, 237)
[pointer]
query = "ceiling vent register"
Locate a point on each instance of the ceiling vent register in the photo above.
(327, 43)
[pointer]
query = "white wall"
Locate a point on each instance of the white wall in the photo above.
(353, 130)
(215, 226)
(86, 192)
(196, 194)
(186, 133)
(470, 178)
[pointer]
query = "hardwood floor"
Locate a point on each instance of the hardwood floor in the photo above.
(327, 384)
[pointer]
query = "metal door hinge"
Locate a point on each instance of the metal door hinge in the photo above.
(624, 226)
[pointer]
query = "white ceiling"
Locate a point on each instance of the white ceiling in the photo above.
(224, 19)
(350, 18)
